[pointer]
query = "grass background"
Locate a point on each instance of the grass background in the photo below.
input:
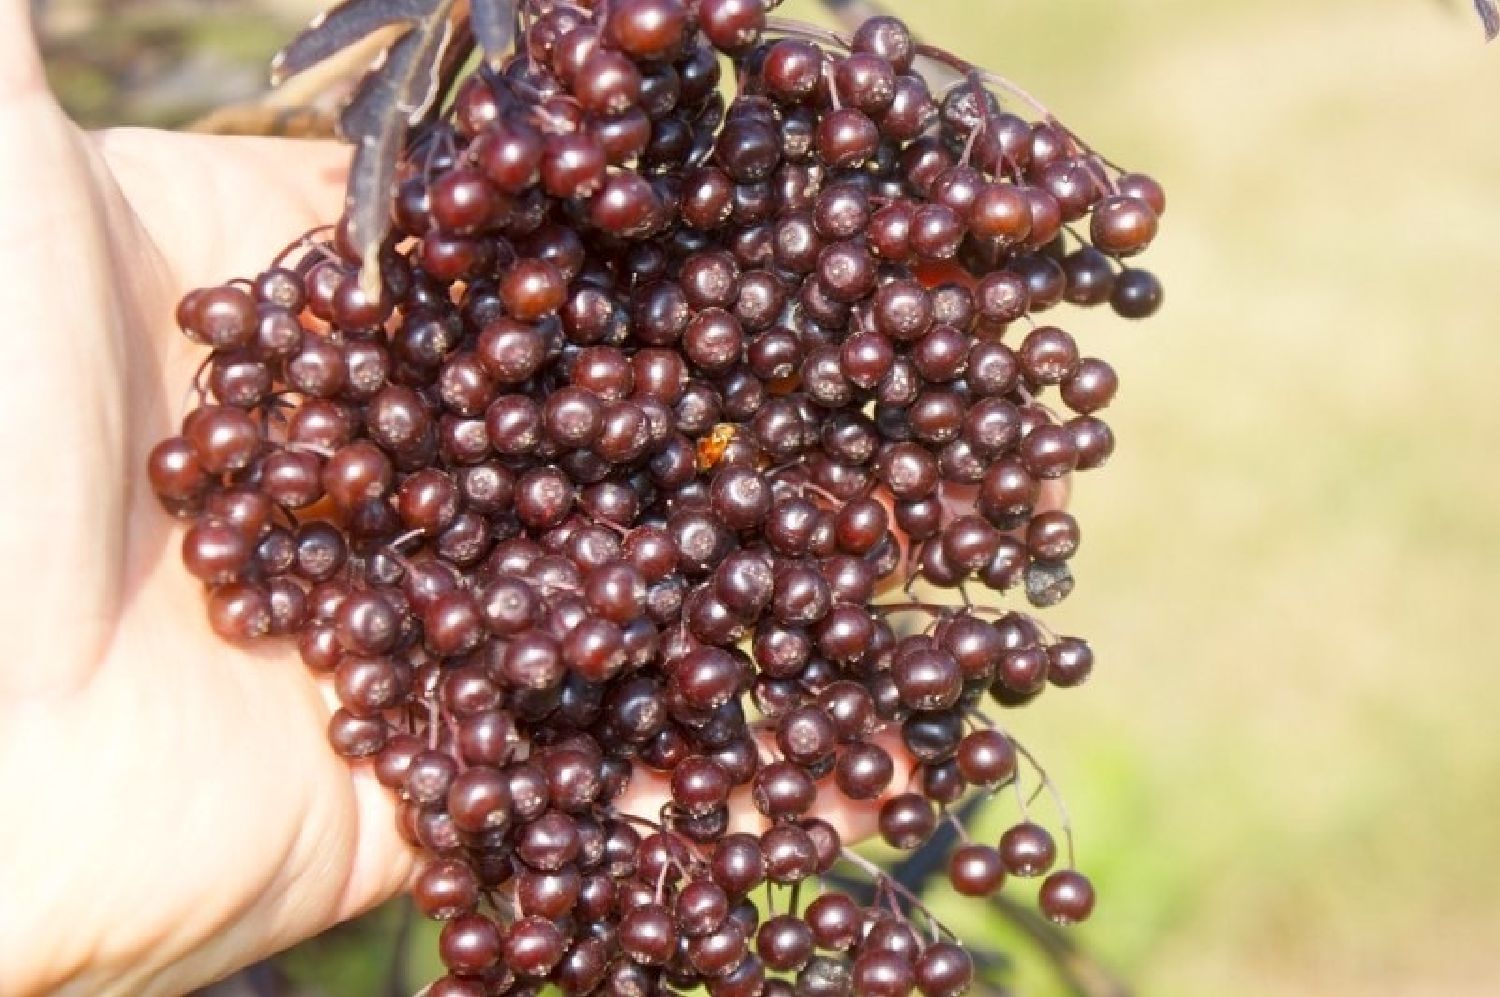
(1286, 774)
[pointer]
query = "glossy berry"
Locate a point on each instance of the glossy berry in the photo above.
(906, 821)
(1070, 661)
(1137, 294)
(1122, 225)
(1027, 850)
(986, 757)
(1066, 897)
(469, 943)
(975, 870)
(647, 29)
(785, 943)
(731, 25)
(648, 934)
(944, 970)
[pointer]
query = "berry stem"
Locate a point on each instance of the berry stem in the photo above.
(433, 728)
(1057, 798)
(1082, 975)
(302, 243)
(808, 486)
(195, 387)
(787, 27)
(1015, 785)
(833, 87)
(880, 878)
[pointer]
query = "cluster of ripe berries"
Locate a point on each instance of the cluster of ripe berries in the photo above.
(657, 400)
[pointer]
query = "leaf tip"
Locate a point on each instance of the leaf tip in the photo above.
(370, 279)
(1489, 16)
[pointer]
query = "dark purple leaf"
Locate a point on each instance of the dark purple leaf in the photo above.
(403, 85)
(1489, 13)
(339, 27)
(393, 95)
(493, 22)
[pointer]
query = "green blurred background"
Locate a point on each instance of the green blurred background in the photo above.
(1286, 773)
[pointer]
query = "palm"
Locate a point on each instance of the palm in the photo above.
(243, 829)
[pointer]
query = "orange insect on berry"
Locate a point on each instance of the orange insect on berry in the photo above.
(711, 447)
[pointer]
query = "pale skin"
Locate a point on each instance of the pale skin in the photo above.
(172, 809)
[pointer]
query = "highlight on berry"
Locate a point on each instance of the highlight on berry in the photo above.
(679, 406)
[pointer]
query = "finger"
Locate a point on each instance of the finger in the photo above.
(1055, 494)
(21, 73)
(959, 500)
(57, 296)
(649, 792)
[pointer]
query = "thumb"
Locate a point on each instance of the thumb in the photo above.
(21, 72)
(63, 530)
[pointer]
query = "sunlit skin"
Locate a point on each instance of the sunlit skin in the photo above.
(173, 809)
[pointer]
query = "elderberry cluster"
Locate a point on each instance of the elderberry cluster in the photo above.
(626, 465)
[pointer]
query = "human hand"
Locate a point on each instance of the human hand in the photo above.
(175, 810)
